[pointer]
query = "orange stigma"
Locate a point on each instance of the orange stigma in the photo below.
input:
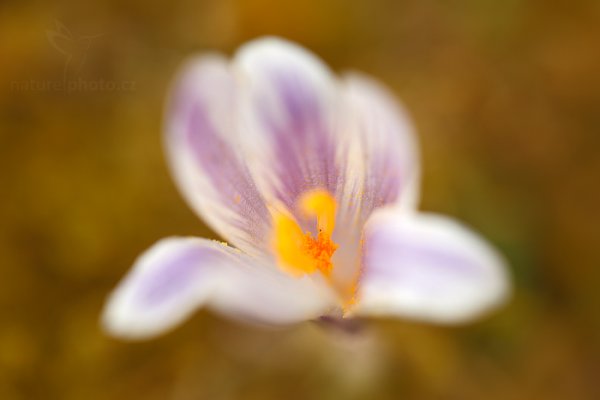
(300, 253)
(320, 250)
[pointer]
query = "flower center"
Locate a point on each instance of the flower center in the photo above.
(299, 252)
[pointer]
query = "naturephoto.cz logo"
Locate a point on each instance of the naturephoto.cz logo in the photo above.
(75, 50)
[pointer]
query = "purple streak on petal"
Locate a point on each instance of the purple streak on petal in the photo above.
(384, 180)
(385, 141)
(304, 148)
(177, 275)
(390, 257)
(228, 175)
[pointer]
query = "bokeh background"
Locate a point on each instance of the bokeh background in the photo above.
(506, 98)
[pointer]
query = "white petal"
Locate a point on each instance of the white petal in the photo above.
(178, 275)
(381, 164)
(167, 283)
(428, 267)
(204, 154)
(386, 143)
(289, 116)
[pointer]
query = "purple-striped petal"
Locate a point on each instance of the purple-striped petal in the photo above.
(381, 164)
(178, 275)
(288, 112)
(167, 283)
(427, 267)
(385, 147)
(203, 150)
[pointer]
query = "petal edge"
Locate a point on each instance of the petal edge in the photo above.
(428, 267)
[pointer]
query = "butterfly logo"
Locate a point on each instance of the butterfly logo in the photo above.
(74, 47)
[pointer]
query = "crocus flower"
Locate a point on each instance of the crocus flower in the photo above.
(313, 181)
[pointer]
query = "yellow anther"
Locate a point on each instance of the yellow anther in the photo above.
(320, 204)
(288, 242)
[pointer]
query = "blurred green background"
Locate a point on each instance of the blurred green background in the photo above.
(506, 98)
